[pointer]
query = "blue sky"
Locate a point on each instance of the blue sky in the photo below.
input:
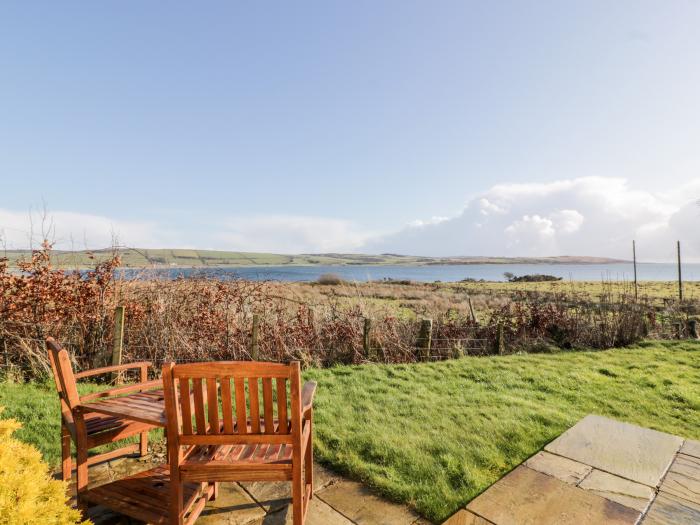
(351, 126)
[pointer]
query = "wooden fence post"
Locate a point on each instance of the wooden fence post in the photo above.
(679, 329)
(366, 338)
(471, 310)
(501, 340)
(118, 340)
(425, 337)
(254, 338)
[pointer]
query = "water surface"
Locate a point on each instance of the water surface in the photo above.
(432, 273)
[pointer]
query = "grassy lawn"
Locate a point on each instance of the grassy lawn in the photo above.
(436, 435)
(36, 406)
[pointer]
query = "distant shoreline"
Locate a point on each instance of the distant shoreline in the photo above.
(135, 258)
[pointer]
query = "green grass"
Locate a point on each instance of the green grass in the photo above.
(593, 289)
(436, 435)
(141, 257)
(36, 406)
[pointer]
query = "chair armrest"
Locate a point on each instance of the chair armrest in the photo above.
(113, 368)
(137, 387)
(307, 396)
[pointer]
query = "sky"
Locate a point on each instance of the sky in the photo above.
(426, 128)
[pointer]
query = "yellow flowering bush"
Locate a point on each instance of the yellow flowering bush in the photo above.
(28, 493)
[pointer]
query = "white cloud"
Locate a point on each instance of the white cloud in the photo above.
(582, 216)
(567, 221)
(289, 234)
(487, 207)
(267, 233)
(433, 220)
(531, 225)
(68, 230)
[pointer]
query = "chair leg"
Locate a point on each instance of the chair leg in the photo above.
(143, 444)
(81, 472)
(65, 454)
(297, 494)
(215, 494)
(309, 461)
(177, 504)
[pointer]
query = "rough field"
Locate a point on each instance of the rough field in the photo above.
(411, 299)
(435, 435)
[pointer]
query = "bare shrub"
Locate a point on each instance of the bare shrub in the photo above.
(200, 318)
(329, 278)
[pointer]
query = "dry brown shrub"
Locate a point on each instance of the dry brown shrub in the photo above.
(202, 318)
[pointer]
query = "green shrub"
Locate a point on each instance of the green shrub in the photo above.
(28, 493)
(534, 278)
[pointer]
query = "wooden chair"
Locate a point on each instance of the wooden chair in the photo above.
(235, 437)
(90, 430)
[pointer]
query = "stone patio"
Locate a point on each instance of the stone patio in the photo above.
(599, 471)
(337, 501)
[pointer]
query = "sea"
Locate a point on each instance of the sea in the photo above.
(430, 273)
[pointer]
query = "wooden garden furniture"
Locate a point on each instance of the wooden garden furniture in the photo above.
(88, 428)
(146, 495)
(221, 429)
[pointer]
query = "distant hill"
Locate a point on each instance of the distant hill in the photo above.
(139, 258)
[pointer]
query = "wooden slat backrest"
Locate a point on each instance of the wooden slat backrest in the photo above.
(65, 380)
(225, 402)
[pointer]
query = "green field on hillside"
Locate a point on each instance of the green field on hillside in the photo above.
(139, 258)
(435, 435)
(592, 289)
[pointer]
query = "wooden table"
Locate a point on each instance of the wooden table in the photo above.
(144, 496)
(146, 407)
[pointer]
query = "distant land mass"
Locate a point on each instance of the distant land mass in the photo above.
(182, 258)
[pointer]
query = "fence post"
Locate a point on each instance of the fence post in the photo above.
(254, 337)
(365, 338)
(425, 337)
(471, 310)
(118, 341)
(679, 329)
(501, 340)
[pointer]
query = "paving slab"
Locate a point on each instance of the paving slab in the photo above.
(466, 517)
(266, 503)
(274, 496)
(691, 448)
(233, 507)
(639, 454)
(623, 491)
(103, 516)
(128, 466)
(320, 513)
(668, 509)
(565, 469)
(361, 506)
(683, 478)
(528, 497)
